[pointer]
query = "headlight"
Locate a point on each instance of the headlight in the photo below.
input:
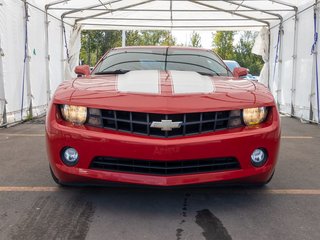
(253, 116)
(74, 114)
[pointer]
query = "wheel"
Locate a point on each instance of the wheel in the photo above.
(270, 178)
(55, 179)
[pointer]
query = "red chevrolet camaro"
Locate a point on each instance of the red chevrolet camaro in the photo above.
(162, 116)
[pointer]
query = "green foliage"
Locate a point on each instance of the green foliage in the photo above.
(168, 39)
(223, 45)
(149, 38)
(244, 56)
(195, 39)
(133, 38)
(96, 43)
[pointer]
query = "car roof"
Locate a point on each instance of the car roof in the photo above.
(162, 47)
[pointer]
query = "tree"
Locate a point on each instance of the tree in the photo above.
(150, 38)
(223, 44)
(195, 39)
(96, 43)
(167, 39)
(133, 38)
(244, 56)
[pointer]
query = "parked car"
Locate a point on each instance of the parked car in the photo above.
(231, 64)
(162, 116)
(251, 77)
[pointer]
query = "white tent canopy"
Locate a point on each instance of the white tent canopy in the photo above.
(40, 43)
(173, 14)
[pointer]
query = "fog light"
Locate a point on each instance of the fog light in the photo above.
(259, 157)
(70, 156)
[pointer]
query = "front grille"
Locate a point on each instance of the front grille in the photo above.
(164, 167)
(140, 123)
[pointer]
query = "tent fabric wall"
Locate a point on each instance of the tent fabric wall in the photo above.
(315, 86)
(12, 34)
(261, 48)
(295, 97)
(285, 83)
(55, 54)
(37, 61)
(2, 93)
(304, 66)
(73, 52)
(13, 37)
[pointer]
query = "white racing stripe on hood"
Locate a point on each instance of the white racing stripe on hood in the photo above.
(143, 81)
(185, 82)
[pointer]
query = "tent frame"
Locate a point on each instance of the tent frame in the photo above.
(211, 8)
(237, 12)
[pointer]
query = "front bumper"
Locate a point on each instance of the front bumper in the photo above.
(91, 142)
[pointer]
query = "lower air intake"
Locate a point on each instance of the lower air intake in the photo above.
(164, 167)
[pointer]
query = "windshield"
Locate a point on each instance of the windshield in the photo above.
(124, 60)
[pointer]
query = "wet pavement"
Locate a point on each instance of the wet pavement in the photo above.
(33, 207)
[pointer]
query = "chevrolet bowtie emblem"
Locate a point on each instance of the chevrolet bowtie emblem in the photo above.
(166, 125)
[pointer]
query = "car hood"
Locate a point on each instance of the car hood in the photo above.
(163, 92)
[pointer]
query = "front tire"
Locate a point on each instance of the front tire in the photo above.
(263, 184)
(55, 179)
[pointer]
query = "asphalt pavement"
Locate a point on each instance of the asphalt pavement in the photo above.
(32, 206)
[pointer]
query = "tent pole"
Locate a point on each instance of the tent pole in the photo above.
(28, 58)
(315, 80)
(317, 76)
(256, 9)
(284, 4)
(47, 56)
(62, 52)
(269, 58)
(56, 3)
(294, 62)
(123, 38)
(83, 9)
(317, 66)
(114, 10)
(228, 11)
(2, 90)
(280, 65)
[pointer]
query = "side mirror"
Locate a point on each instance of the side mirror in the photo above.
(240, 72)
(83, 70)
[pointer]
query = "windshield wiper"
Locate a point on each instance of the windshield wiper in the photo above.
(208, 74)
(118, 71)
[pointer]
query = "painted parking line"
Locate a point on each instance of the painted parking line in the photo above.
(296, 137)
(220, 191)
(28, 189)
(292, 191)
(21, 135)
